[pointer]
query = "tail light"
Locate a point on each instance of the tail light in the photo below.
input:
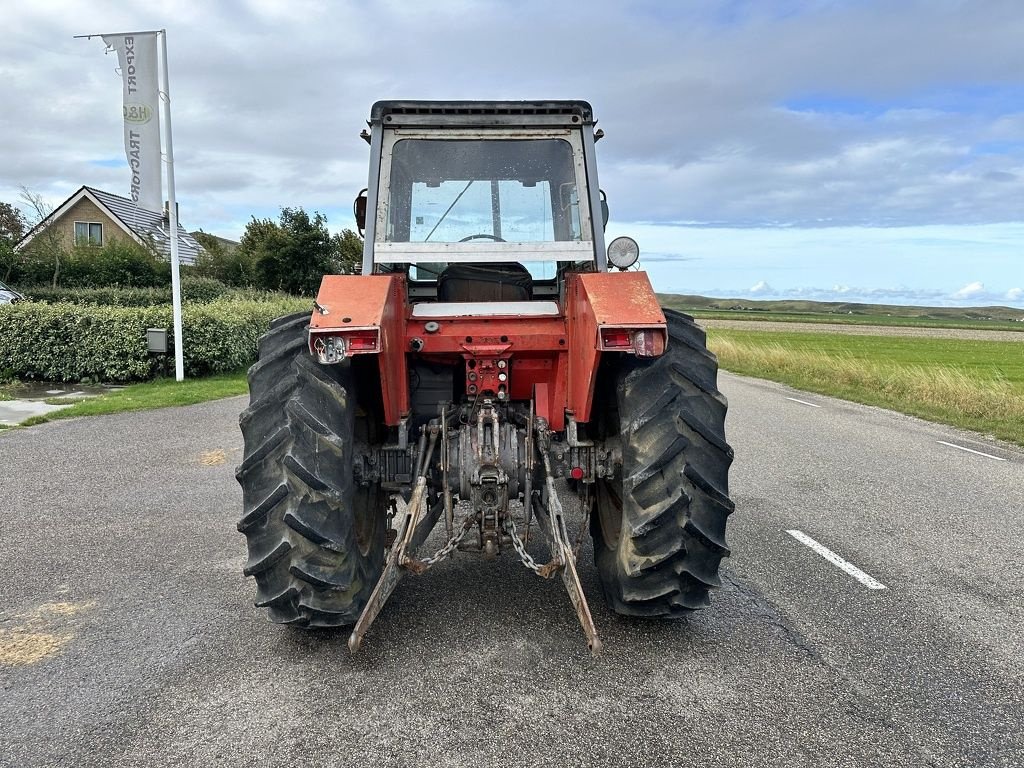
(361, 341)
(335, 345)
(615, 338)
(643, 342)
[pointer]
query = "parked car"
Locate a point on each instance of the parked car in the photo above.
(9, 295)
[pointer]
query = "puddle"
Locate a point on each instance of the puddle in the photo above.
(45, 390)
(29, 398)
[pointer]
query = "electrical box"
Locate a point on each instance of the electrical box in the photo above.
(157, 340)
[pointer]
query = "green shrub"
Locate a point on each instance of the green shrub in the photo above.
(195, 290)
(119, 262)
(229, 264)
(111, 297)
(69, 342)
(201, 289)
(33, 266)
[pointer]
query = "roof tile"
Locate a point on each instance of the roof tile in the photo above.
(150, 225)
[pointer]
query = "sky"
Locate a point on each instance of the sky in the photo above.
(825, 149)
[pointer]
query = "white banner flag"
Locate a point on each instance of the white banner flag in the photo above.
(136, 55)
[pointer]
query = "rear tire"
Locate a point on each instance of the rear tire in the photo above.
(659, 527)
(315, 538)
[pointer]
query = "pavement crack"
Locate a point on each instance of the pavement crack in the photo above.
(758, 604)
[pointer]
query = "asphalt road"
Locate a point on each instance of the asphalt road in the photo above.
(128, 637)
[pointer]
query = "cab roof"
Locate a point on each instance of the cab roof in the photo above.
(482, 113)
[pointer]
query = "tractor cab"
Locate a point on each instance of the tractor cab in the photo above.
(477, 202)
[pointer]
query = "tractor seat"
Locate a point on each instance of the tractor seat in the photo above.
(507, 281)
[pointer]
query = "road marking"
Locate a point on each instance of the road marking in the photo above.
(971, 450)
(837, 561)
(803, 402)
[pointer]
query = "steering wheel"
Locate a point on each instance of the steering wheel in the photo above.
(495, 238)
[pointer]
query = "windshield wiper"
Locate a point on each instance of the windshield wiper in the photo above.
(459, 197)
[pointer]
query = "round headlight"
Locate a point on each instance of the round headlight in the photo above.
(623, 252)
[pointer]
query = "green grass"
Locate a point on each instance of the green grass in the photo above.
(976, 385)
(152, 394)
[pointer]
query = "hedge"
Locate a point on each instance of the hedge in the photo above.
(193, 289)
(113, 297)
(69, 342)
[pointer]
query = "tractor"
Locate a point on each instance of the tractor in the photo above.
(494, 369)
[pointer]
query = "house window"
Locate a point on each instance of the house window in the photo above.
(88, 233)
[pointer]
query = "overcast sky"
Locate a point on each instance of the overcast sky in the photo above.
(827, 149)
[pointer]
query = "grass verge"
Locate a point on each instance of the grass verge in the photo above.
(975, 385)
(151, 394)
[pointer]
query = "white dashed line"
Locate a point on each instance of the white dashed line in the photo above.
(803, 402)
(970, 450)
(837, 561)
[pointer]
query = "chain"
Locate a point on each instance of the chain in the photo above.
(545, 571)
(448, 548)
(528, 561)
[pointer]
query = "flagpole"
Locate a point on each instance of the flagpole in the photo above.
(179, 355)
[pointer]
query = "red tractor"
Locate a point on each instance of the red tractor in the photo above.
(490, 370)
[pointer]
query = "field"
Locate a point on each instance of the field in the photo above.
(973, 384)
(955, 365)
(790, 311)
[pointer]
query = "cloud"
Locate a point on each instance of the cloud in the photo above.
(758, 139)
(936, 260)
(661, 256)
(852, 294)
(719, 113)
(970, 291)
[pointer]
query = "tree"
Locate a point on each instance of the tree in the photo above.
(229, 264)
(349, 247)
(12, 223)
(47, 245)
(295, 252)
(12, 229)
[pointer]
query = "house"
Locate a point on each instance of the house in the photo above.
(96, 217)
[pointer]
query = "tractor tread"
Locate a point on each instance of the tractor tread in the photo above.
(259, 511)
(674, 485)
(312, 553)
